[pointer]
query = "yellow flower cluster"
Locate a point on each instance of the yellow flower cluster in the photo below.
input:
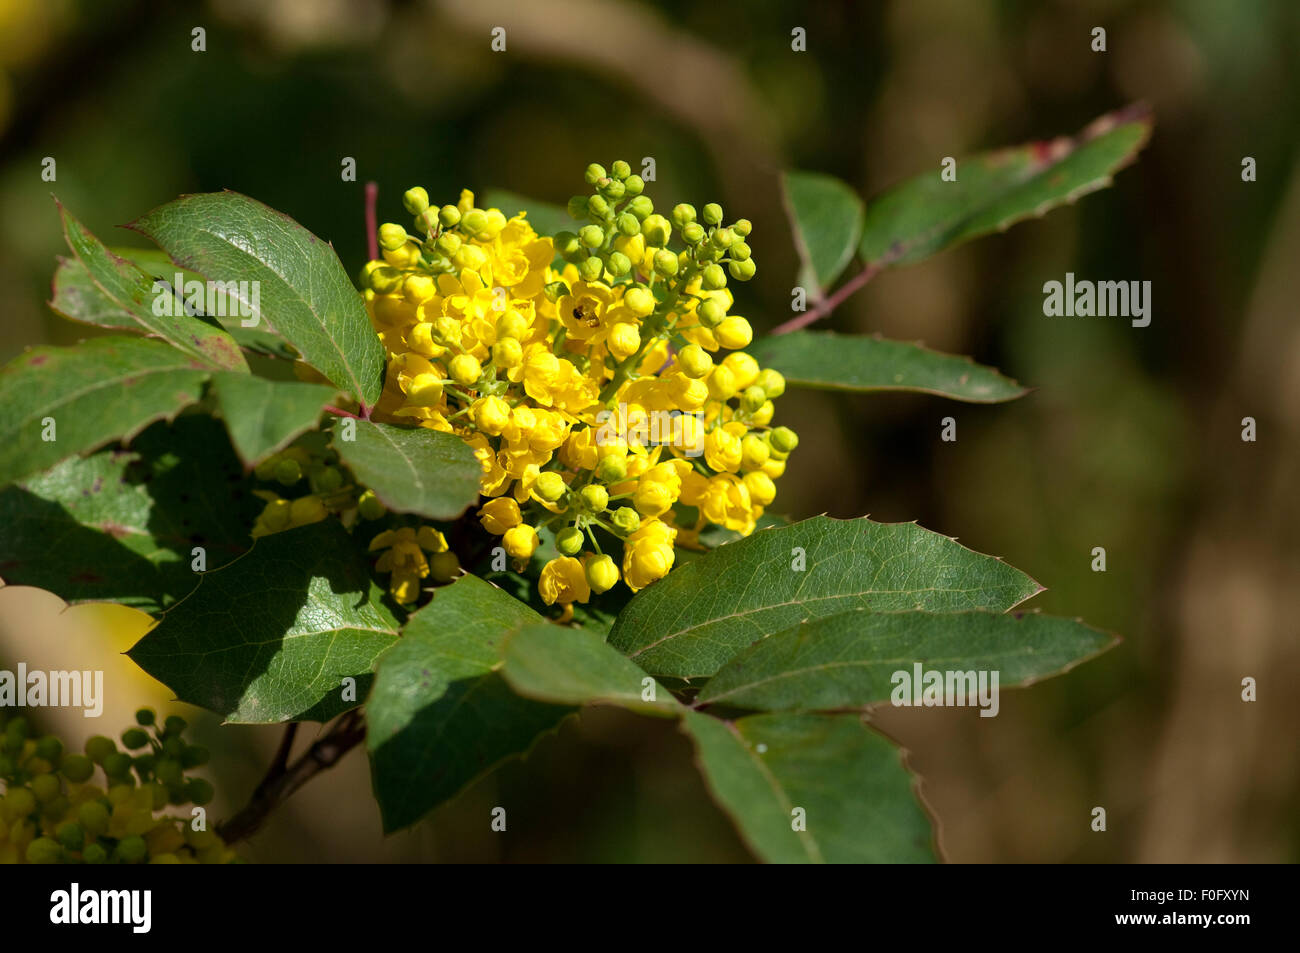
(592, 389)
(52, 813)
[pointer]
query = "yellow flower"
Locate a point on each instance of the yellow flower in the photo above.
(563, 580)
(499, 515)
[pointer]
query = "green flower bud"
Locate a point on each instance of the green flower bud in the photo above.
(597, 206)
(711, 312)
(550, 486)
(634, 185)
(641, 207)
(742, 227)
(593, 236)
(694, 361)
(98, 748)
(449, 216)
(626, 519)
(199, 791)
(656, 230)
(714, 277)
(711, 214)
(144, 764)
(629, 224)
(595, 497)
(620, 170)
(46, 787)
(117, 765)
(783, 440)
(391, 237)
(722, 238)
(288, 471)
(131, 849)
(683, 213)
(665, 263)
(474, 222)
(640, 300)
(70, 835)
(742, 270)
(448, 243)
(554, 291)
(415, 200)
(174, 725)
(385, 280)
(144, 717)
(602, 574)
(369, 507)
(77, 768)
(613, 190)
(45, 850)
(569, 541)
(592, 269)
(328, 480)
(95, 854)
(752, 398)
(94, 817)
(568, 245)
(740, 251)
(772, 382)
(172, 747)
(168, 771)
(577, 207)
(595, 172)
(49, 749)
(135, 738)
(619, 264)
(693, 233)
(611, 469)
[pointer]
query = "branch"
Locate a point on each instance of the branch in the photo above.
(372, 237)
(283, 778)
(827, 305)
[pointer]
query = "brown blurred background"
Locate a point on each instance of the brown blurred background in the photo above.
(1132, 440)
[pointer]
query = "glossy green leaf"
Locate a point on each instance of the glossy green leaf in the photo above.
(701, 615)
(572, 666)
(131, 290)
(273, 636)
(845, 783)
(411, 469)
(94, 393)
(850, 660)
(827, 219)
(76, 297)
(303, 294)
(264, 416)
(994, 190)
(440, 715)
(824, 360)
(121, 525)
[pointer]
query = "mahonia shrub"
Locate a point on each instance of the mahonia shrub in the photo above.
(528, 465)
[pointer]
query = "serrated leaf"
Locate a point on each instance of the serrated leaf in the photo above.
(412, 469)
(121, 525)
(440, 715)
(265, 416)
(994, 190)
(96, 392)
(856, 796)
(546, 218)
(698, 617)
(827, 217)
(271, 636)
(572, 666)
(824, 360)
(130, 289)
(849, 660)
(305, 295)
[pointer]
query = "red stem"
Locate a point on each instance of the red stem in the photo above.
(372, 235)
(827, 305)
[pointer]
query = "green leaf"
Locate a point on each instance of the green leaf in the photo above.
(440, 716)
(272, 636)
(130, 289)
(96, 392)
(699, 616)
(994, 190)
(546, 219)
(827, 219)
(77, 298)
(572, 666)
(304, 293)
(857, 797)
(265, 416)
(411, 469)
(848, 660)
(121, 525)
(824, 360)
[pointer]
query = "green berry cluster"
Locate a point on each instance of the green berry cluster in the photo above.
(52, 811)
